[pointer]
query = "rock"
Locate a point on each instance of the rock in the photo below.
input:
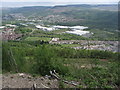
(29, 77)
(82, 66)
(21, 74)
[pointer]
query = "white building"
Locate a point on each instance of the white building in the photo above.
(78, 32)
(45, 28)
(2, 27)
(55, 39)
(10, 25)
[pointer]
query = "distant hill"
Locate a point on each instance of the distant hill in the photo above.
(94, 16)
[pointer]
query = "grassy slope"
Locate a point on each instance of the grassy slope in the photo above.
(70, 64)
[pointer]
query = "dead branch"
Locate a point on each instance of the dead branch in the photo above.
(44, 86)
(55, 75)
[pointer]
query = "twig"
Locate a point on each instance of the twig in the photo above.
(44, 86)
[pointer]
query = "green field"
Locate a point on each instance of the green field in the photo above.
(37, 38)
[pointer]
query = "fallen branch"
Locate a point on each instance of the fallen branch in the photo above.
(72, 83)
(44, 86)
(55, 75)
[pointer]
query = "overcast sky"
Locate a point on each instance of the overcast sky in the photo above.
(61, 1)
(20, 3)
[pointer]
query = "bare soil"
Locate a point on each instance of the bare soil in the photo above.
(21, 80)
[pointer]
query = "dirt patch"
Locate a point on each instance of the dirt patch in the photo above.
(22, 80)
(103, 60)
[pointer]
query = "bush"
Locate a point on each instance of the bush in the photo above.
(6, 58)
(46, 60)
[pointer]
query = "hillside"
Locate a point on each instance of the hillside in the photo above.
(71, 46)
(94, 16)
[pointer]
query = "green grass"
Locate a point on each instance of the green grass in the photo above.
(37, 38)
(57, 34)
(95, 73)
(87, 62)
(69, 63)
(59, 31)
(103, 35)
